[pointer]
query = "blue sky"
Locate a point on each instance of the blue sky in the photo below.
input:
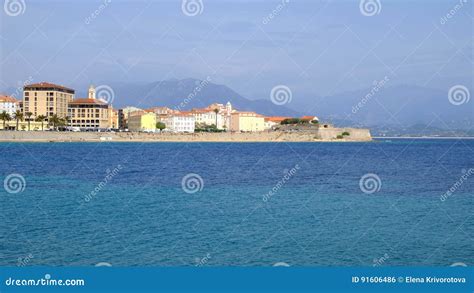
(314, 47)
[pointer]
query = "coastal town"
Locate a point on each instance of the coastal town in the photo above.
(50, 107)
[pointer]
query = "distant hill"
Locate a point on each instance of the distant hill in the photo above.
(401, 106)
(174, 92)
(416, 110)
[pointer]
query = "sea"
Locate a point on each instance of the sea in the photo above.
(390, 202)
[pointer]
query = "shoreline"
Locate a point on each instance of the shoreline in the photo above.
(273, 136)
(423, 137)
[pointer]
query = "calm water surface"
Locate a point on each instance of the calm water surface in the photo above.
(124, 204)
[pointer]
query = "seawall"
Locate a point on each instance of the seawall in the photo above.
(272, 136)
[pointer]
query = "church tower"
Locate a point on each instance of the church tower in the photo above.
(91, 92)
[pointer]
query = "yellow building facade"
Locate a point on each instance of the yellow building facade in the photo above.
(90, 112)
(247, 121)
(142, 122)
(47, 99)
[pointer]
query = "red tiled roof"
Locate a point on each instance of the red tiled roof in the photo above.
(48, 85)
(5, 98)
(276, 118)
(201, 110)
(87, 101)
(308, 117)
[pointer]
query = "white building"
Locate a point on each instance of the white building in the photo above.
(182, 122)
(208, 117)
(8, 104)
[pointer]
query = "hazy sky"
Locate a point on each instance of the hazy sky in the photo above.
(314, 47)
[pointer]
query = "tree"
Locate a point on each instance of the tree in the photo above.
(292, 121)
(28, 118)
(5, 117)
(18, 115)
(54, 120)
(216, 111)
(160, 125)
(41, 119)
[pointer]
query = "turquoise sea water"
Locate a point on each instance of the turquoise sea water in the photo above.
(125, 204)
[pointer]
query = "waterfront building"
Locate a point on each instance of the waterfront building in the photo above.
(126, 113)
(273, 121)
(162, 110)
(8, 104)
(311, 119)
(47, 99)
(247, 121)
(114, 119)
(224, 114)
(208, 117)
(121, 119)
(180, 122)
(90, 112)
(142, 121)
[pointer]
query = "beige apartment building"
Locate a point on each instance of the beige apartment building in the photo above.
(142, 121)
(47, 99)
(247, 122)
(90, 112)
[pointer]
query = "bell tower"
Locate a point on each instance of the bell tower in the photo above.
(91, 92)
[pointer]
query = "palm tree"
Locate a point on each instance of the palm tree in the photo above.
(41, 119)
(5, 117)
(55, 120)
(216, 111)
(18, 115)
(28, 118)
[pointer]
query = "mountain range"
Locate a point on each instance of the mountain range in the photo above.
(392, 109)
(186, 94)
